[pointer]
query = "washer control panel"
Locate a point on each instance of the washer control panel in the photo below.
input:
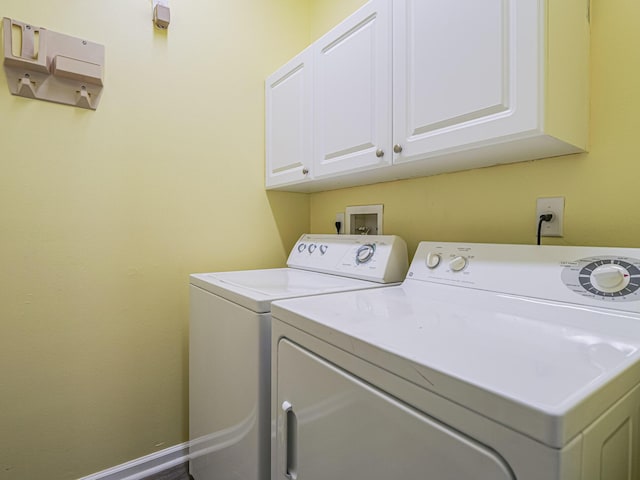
(379, 258)
(605, 277)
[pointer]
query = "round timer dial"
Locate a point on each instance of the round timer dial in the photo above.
(610, 277)
(607, 278)
(365, 253)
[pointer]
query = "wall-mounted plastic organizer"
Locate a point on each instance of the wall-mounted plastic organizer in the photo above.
(47, 65)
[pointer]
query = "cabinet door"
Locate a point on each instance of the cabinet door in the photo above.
(466, 73)
(352, 96)
(288, 121)
(331, 425)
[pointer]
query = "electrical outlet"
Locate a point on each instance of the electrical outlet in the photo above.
(340, 218)
(554, 205)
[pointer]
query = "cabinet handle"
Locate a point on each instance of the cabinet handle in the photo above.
(397, 148)
(379, 153)
(305, 170)
(290, 429)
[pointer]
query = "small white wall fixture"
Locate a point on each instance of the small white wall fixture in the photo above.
(161, 14)
(364, 220)
(46, 65)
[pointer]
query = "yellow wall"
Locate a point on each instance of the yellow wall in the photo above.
(497, 204)
(325, 14)
(104, 214)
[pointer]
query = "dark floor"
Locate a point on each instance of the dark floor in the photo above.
(179, 472)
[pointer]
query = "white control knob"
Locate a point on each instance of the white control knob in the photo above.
(610, 278)
(457, 264)
(433, 259)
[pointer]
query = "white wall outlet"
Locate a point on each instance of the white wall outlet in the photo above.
(340, 220)
(554, 205)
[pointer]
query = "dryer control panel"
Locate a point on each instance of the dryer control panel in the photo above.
(597, 276)
(606, 277)
(378, 258)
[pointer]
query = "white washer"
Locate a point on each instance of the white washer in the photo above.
(489, 362)
(229, 343)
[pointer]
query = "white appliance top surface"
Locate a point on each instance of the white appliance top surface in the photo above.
(256, 289)
(482, 349)
(513, 346)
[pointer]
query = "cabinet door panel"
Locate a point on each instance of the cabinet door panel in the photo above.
(465, 73)
(467, 58)
(353, 92)
(288, 124)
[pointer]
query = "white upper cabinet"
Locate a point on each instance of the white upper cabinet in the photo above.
(289, 149)
(474, 82)
(352, 93)
(406, 88)
(456, 66)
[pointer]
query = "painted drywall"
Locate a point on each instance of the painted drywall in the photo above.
(497, 204)
(104, 214)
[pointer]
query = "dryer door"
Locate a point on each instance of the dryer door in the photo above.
(331, 425)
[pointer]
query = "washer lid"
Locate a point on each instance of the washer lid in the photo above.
(537, 367)
(256, 289)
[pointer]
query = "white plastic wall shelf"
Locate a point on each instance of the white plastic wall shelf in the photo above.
(47, 65)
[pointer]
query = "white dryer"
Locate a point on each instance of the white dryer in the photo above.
(490, 362)
(229, 343)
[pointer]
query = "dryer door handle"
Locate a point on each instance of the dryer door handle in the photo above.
(290, 431)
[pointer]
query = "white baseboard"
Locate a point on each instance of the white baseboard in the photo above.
(145, 466)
